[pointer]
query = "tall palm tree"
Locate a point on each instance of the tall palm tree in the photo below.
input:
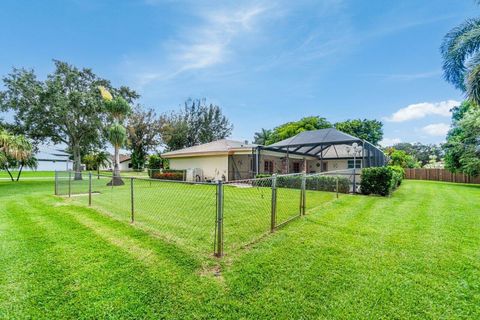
(118, 109)
(461, 58)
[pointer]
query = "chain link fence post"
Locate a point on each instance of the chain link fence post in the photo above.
(56, 182)
(303, 194)
(132, 201)
(274, 203)
(90, 189)
(69, 184)
(219, 224)
(336, 189)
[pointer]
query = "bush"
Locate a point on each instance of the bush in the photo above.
(399, 174)
(381, 180)
(328, 183)
(168, 175)
(262, 175)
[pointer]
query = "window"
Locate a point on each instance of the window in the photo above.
(358, 164)
(325, 167)
(268, 166)
(296, 167)
(130, 165)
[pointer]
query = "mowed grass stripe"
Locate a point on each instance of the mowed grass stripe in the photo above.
(366, 274)
(107, 277)
(414, 255)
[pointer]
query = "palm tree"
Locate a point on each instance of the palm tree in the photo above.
(461, 58)
(102, 159)
(262, 136)
(15, 150)
(118, 109)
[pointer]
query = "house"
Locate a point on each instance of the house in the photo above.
(310, 151)
(125, 163)
(51, 159)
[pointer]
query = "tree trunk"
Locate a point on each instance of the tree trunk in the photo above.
(77, 162)
(116, 180)
(10, 174)
(19, 172)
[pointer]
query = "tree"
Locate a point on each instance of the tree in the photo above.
(462, 151)
(118, 109)
(15, 152)
(65, 108)
(262, 137)
(461, 57)
(422, 152)
(369, 130)
(96, 160)
(291, 129)
(194, 124)
(401, 158)
(143, 130)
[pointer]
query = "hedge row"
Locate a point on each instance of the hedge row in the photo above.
(318, 183)
(381, 180)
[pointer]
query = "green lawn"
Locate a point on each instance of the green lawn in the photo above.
(185, 214)
(414, 255)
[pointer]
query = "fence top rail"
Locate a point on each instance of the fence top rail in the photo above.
(344, 172)
(156, 180)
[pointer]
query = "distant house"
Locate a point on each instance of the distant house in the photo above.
(125, 163)
(310, 151)
(51, 159)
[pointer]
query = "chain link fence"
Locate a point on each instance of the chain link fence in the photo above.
(205, 217)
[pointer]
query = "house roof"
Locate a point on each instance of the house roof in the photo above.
(314, 137)
(323, 143)
(47, 153)
(223, 146)
(124, 157)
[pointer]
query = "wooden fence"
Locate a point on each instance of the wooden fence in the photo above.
(439, 175)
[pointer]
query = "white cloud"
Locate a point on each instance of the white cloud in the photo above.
(421, 110)
(205, 44)
(436, 129)
(386, 142)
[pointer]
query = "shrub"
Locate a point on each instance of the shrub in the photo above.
(262, 175)
(380, 180)
(168, 175)
(328, 183)
(399, 174)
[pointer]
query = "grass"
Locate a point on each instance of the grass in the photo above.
(413, 255)
(185, 214)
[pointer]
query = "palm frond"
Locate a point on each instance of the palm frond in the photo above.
(460, 44)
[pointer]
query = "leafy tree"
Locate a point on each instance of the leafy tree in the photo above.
(422, 152)
(65, 108)
(462, 151)
(262, 137)
(402, 159)
(461, 57)
(291, 129)
(195, 124)
(118, 109)
(15, 152)
(143, 131)
(369, 130)
(96, 160)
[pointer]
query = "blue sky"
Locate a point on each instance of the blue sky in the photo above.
(264, 62)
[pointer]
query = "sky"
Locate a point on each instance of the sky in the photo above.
(264, 62)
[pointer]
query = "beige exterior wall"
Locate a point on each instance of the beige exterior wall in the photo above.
(332, 165)
(214, 167)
